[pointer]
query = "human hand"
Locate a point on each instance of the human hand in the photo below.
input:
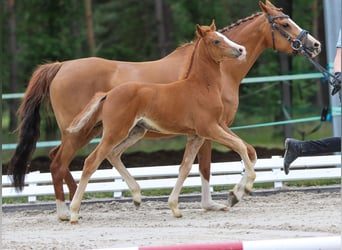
(336, 82)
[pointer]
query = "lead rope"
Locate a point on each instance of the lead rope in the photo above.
(336, 82)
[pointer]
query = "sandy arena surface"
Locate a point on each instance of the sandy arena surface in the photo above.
(117, 224)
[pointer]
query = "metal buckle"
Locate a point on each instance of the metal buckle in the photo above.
(296, 44)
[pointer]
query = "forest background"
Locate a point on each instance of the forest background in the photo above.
(35, 32)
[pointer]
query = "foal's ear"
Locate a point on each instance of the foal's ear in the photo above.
(212, 25)
(199, 31)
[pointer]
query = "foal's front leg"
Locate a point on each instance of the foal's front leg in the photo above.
(246, 183)
(193, 144)
(222, 135)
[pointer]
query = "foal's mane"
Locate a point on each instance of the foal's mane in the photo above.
(188, 65)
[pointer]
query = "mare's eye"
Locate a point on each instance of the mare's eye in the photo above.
(285, 25)
(216, 42)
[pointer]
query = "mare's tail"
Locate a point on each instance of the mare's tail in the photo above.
(36, 93)
(89, 116)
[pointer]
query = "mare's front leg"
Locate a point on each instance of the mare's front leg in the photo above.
(193, 144)
(204, 160)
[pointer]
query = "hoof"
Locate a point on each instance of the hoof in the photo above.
(177, 214)
(213, 206)
(137, 204)
(62, 218)
(248, 191)
(232, 199)
(74, 222)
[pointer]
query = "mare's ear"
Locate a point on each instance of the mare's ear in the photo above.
(263, 7)
(269, 4)
(212, 25)
(199, 31)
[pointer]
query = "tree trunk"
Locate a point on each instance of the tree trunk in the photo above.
(13, 87)
(286, 67)
(90, 29)
(160, 27)
(322, 97)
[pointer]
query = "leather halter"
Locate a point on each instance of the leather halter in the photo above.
(296, 43)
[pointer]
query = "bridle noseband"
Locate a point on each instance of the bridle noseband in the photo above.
(296, 43)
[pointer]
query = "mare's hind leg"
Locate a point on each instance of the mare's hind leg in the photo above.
(115, 159)
(68, 178)
(193, 144)
(59, 167)
(204, 160)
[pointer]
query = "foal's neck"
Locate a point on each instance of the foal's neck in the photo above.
(204, 68)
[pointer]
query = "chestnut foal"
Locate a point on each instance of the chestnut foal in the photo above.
(192, 106)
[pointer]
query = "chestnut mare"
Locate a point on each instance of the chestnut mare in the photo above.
(192, 106)
(70, 85)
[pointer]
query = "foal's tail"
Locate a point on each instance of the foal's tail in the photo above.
(36, 93)
(89, 116)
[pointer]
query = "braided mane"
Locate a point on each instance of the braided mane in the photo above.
(229, 27)
(240, 21)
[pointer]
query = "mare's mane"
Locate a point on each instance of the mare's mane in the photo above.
(240, 21)
(227, 28)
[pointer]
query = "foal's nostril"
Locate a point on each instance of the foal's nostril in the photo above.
(317, 45)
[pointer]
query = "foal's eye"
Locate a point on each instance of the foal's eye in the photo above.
(216, 42)
(285, 25)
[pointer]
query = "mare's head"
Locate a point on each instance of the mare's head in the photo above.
(219, 46)
(285, 35)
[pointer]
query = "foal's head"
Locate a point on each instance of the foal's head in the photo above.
(219, 46)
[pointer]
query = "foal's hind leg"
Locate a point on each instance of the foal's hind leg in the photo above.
(193, 144)
(204, 160)
(90, 165)
(115, 159)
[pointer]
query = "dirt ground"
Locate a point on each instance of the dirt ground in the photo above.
(118, 224)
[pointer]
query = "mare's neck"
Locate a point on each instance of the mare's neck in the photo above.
(249, 34)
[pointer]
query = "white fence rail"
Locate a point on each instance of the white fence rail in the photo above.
(162, 177)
